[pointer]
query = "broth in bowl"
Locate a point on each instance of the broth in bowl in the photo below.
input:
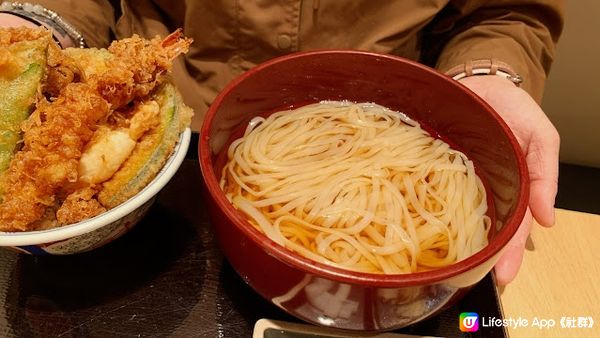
(358, 187)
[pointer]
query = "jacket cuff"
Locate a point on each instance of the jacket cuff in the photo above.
(505, 50)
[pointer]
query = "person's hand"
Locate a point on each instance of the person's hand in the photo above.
(8, 20)
(539, 141)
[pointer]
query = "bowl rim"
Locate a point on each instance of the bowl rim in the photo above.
(290, 258)
(76, 229)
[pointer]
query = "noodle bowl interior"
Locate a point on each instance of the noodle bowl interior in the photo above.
(359, 187)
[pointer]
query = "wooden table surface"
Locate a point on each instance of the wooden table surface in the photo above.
(559, 279)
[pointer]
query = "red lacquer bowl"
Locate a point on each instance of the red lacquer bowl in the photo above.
(338, 298)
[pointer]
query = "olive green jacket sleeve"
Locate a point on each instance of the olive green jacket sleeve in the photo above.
(93, 18)
(522, 34)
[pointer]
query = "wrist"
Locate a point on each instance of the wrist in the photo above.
(8, 20)
(14, 20)
(487, 80)
(487, 86)
(65, 34)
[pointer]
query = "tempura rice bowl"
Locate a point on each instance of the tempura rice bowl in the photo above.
(104, 228)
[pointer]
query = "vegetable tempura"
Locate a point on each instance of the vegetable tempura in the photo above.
(108, 120)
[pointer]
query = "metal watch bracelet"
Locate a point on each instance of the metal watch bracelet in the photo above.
(485, 67)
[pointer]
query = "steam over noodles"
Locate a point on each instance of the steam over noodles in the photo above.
(357, 186)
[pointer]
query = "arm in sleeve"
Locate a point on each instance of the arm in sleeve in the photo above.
(95, 19)
(522, 34)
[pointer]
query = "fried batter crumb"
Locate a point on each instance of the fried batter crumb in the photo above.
(78, 206)
(58, 130)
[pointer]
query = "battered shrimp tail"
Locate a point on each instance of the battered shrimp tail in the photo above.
(176, 43)
(57, 132)
(137, 67)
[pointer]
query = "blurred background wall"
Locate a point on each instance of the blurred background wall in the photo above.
(572, 96)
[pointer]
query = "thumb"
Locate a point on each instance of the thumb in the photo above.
(509, 263)
(542, 161)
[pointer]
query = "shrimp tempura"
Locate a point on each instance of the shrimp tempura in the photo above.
(58, 130)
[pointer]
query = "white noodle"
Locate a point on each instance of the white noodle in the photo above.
(357, 186)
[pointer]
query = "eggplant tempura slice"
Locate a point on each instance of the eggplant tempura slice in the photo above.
(133, 152)
(151, 152)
